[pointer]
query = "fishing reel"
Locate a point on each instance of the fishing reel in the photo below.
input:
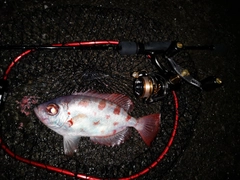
(153, 86)
(149, 86)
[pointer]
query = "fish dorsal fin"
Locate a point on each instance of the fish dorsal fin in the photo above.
(112, 140)
(120, 99)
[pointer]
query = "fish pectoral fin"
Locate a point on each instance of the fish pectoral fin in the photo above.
(70, 144)
(112, 140)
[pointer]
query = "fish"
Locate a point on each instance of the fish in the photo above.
(104, 118)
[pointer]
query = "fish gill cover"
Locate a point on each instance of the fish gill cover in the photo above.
(46, 74)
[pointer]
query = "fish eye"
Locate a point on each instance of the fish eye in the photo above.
(52, 109)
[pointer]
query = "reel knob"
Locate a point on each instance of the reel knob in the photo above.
(211, 83)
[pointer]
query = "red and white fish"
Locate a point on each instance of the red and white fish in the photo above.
(102, 117)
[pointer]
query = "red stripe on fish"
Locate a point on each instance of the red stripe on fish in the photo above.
(128, 118)
(117, 110)
(96, 123)
(115, 123)
(84, 103)
(102, 105)
(70, 122)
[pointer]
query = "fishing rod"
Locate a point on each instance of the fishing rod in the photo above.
(124, 47)
(149, 86)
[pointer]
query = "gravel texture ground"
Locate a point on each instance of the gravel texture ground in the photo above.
(207, 143)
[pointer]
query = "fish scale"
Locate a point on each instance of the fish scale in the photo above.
(102, 117)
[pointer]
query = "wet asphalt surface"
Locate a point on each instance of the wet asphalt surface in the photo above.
(213, 150)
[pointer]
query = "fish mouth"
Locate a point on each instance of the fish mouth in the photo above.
(36, 111)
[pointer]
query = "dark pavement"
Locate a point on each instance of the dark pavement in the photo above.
(213, 150)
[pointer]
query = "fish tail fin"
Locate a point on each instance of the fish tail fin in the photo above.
(148, 127)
